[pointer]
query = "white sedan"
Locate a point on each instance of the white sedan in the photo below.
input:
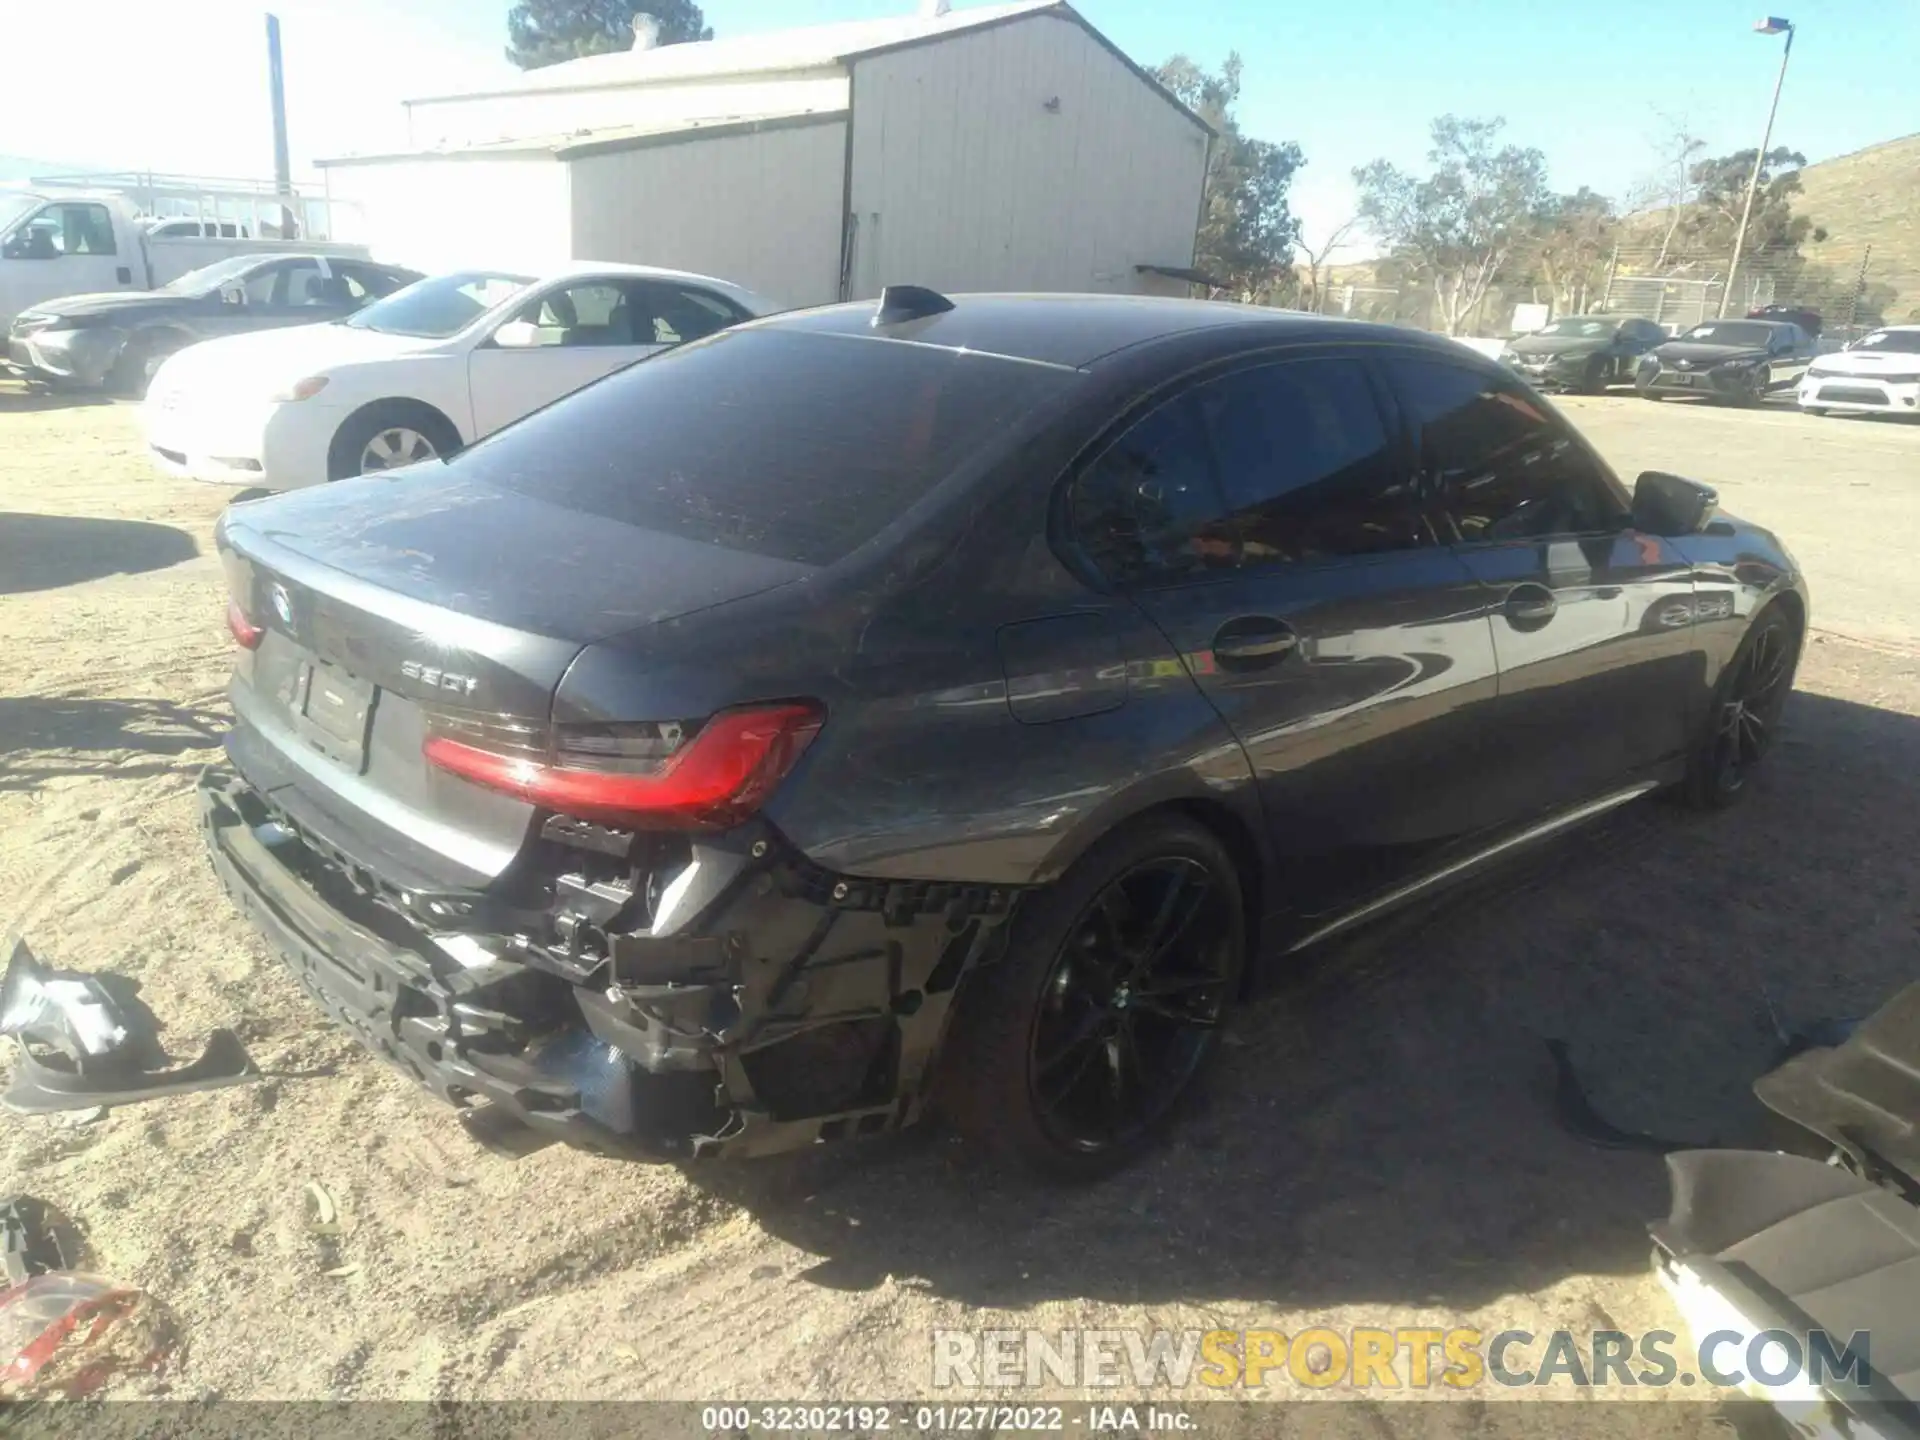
(1878, 374)
(420, 374)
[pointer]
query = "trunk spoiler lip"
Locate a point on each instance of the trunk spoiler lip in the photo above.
(452, 628)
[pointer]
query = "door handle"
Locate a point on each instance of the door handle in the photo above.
(1530, 606)
(1253, 642)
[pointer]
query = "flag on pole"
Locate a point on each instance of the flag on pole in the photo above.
(1772, 25)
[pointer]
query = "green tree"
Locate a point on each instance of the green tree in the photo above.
(545, 32)
(1720, 193)
(1573, 239)
(1247, 228)
(1459, 228)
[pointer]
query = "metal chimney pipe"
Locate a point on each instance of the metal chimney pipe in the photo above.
(282, 161)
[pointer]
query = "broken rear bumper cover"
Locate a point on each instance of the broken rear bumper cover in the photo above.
(792, 1006)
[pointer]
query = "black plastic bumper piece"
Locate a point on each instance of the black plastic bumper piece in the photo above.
(802, 1008)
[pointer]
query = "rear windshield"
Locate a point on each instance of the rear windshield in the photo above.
(800, 447)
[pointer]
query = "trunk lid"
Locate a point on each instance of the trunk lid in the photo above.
(390, 603)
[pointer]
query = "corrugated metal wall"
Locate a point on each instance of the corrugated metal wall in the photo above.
(761, 209)
(452, 214)
(540, 113)
(968, 176)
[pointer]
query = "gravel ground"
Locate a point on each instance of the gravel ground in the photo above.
(1378, 1148)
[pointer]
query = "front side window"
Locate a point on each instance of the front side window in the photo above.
(74, 228)
(1306, 464)
(1148, 510)
(589, 313)
(264, 285)
(1498, 466)
(306, 286)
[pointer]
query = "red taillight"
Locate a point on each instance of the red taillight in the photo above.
(246, 634)
(720, 777)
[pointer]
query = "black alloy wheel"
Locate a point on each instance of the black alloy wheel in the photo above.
(1071, 1053)
(1128, 1011)
(1745, 716)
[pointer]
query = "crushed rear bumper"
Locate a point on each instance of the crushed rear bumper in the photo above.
(798, 1007)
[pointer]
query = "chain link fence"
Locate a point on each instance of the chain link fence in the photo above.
(1646, 283)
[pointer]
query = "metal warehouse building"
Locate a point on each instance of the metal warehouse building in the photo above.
(1011, 147)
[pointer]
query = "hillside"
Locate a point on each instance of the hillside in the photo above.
(1870, 198)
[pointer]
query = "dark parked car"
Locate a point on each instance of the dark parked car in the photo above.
(119, 338)
(1808, 320)
(962, 701)
(1584, 352)
(1736, 362)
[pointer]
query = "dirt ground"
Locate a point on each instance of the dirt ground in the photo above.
(1377, 1149)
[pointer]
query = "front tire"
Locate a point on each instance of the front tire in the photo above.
(387, 435)
(1744, 716)
(139, 361)
(1071, 1055)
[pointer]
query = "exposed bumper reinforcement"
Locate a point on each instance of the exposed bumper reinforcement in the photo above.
(801, 1009)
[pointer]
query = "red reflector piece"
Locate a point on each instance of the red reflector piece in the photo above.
(246, 634)
(717, 780)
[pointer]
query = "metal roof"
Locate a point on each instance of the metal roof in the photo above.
(812, 47)
(578, 144)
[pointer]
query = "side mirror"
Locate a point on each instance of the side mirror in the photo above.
(517, 335)
(1671, 505)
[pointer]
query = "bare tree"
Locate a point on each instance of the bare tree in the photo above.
(1672, 188)
(1319, 259)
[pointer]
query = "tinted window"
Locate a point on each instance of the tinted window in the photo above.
(800, 447)
(671, 314)
(1306, 464)
(1148, 508)
(1500, 467)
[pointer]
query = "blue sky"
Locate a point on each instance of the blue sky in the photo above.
(1349, 81)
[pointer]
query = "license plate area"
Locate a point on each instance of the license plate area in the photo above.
(332, 712)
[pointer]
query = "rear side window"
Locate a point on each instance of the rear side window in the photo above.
(1501, 467)
(1149, 509)
(800, 447)
(1308, 469)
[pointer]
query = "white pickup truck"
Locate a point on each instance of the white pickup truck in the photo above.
(56, 241)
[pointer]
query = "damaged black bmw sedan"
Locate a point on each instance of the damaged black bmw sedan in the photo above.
(959, 703)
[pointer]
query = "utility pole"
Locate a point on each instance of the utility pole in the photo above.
(1772, 25)
(282, 162)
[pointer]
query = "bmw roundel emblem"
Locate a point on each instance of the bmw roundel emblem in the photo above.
(282, 604)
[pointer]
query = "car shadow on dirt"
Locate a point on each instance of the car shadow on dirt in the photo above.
(46, 552)
(1382, 1128)
(46, 736)
(18, 399)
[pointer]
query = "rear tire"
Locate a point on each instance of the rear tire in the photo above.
(1070, 1055)
(397, 432)
(1744, 716)
(1819, 410)
(1646, 394)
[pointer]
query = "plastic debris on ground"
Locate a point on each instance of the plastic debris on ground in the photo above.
(87, 1040)
(65, 1335)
